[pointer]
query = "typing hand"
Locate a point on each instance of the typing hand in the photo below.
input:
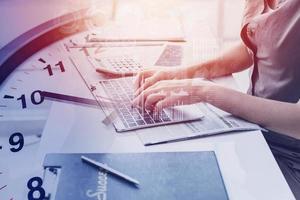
(151, 76)
(169, 93)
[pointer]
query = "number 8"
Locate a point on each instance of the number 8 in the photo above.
(37, 188)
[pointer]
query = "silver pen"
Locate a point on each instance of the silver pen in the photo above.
(110, 170)
(113, 45)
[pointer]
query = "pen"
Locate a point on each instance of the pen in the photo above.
(110, 170)
(112, 45)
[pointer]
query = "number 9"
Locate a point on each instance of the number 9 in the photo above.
(19, 141)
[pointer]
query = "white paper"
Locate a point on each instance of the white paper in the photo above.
(214, 122)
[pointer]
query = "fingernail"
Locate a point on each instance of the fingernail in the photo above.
(134, 102)
(136, 93)
(147, 108)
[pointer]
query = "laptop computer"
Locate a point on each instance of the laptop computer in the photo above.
(120, 92)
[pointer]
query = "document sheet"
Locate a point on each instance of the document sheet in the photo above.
(215, 121)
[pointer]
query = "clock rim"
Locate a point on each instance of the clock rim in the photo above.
(24, 46)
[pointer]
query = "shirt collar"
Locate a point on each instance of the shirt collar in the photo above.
(252, 9)
(257, 7)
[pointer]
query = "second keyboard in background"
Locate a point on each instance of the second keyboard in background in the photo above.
(170, 56)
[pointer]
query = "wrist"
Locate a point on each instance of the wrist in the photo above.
(209, 92)
(201, 70)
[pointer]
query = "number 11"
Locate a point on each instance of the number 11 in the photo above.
(59, 64)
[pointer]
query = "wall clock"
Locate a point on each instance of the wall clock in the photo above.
(36, 68)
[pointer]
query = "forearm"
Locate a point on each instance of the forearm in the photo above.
(234, 60)
(274, 115)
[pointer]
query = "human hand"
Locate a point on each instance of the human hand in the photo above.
(150, 76)
(169, 93)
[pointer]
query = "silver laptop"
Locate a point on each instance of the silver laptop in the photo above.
(120, 91)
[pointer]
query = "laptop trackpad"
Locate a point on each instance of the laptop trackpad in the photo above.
(184, 113)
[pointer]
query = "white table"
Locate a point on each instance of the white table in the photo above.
(249, 170)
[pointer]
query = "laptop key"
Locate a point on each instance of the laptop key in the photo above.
(166, 119)
(129, 119)
(140, 122)
(136, 116)
(157, 120)
(123, 121)
(149, 121)
(132, 125)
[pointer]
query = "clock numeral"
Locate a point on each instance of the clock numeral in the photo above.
(23, 101)
(16, 139)
(49, 68)
(35, 189)
(59, 64)
(34, 99)
(16, 142)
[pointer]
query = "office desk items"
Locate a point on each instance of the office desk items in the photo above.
(167, 176)
(114, 44)
(110, 170)
(119, 63)
(142, 31)
(215, 122)
(171, 55)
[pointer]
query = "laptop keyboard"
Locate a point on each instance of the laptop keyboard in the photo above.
(122, 90)
(171, 56)
(123, 63)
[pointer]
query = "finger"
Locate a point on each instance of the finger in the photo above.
(140, 99)
(148, 82)
(168, 102)
(152, 99)
(138, 79)
(113, 73)
(141, 77)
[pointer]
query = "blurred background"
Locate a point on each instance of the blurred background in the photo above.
(222, 16)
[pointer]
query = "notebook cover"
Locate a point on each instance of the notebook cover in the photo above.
(180, 175)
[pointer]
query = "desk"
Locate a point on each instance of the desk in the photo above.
(247, 165)
(246, 162)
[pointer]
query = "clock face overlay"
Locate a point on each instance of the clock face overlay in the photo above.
(47, 106)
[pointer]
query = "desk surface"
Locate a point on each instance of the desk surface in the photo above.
(247, 165)
(246, 162)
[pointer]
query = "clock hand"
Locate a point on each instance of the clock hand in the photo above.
(3, 187)
(68, 98)
(102, 101)
(73, 99)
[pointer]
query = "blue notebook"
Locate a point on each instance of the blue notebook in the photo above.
(163, 176)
